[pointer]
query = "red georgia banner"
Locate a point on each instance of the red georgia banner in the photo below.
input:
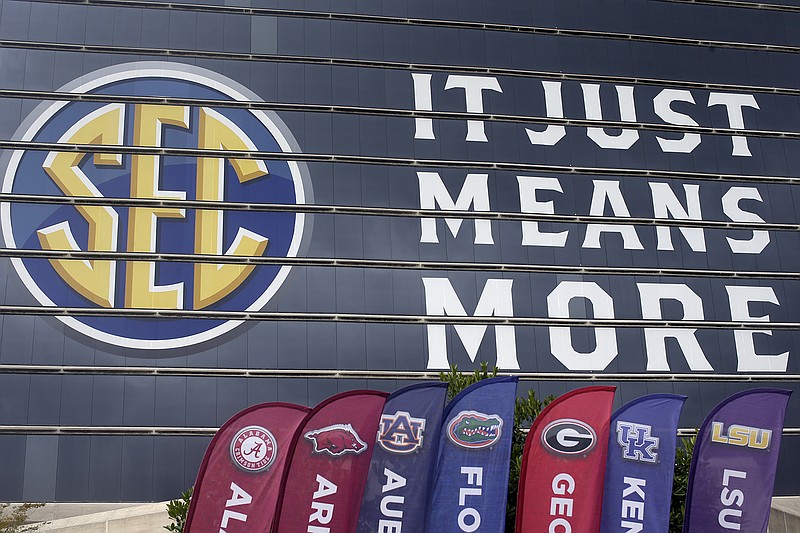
(239, 481)
(324, 483)
(564, 463)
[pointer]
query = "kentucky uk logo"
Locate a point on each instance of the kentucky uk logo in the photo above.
(337, 439)
(156, 165)
(637, 442)
(471, 429)
(400, 432)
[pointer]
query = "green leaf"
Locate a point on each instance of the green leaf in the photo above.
(178, 510)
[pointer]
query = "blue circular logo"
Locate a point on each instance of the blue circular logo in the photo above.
(157, 172)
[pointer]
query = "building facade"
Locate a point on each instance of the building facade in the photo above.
(207, 206)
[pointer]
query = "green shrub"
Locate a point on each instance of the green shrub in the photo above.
(13, 517)
(178, 510)
(683, 459)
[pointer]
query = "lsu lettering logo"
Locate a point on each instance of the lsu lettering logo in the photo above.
(636, 442)
(738, 435)
(400, 432)
(152, 176)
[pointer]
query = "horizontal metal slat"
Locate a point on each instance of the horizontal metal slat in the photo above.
(389, 161)
(305, 373)
(188, 431)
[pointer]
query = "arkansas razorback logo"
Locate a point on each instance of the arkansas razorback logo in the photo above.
(336, 439)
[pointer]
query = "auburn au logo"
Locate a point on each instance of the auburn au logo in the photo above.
(400, 432)
(111, 283)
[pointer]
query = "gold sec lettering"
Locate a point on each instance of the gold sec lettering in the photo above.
(213, 282)
(93, 279)
(141, 290)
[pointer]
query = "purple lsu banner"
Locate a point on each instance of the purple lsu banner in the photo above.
(239, 480)
(403, 461)
(734, 462)
(471, 483)
(640, 464)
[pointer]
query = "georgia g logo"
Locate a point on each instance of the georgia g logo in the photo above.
(569, 437)
(400, 432)
(111, 283)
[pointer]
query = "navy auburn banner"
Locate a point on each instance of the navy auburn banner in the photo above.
(403, 460)
(324, 482)
(563, 464)
(641, 464)
(239, 480)
(471, 484)
(734, 463)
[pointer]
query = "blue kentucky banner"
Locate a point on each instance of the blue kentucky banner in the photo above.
(403, 460)
(471, 483)
(641, 460)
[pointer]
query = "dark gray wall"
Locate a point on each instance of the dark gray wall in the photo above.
(372, 68)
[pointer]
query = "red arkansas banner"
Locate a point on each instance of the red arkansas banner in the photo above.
(324, 483)
(239, 480)
(564, 463)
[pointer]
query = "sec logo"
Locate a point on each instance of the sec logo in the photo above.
(157, 174)
(253, 449)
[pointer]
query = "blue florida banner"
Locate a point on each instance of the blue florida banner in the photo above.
(471, 483)
(403, 460)
(641, 460)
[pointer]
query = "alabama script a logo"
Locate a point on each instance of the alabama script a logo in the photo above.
(253, 449)
(637, 442)
(162, 159)
(400, 432)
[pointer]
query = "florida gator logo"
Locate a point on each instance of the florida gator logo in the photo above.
(337, 439)
(471, 429)
(161, 160)
(400, 432)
